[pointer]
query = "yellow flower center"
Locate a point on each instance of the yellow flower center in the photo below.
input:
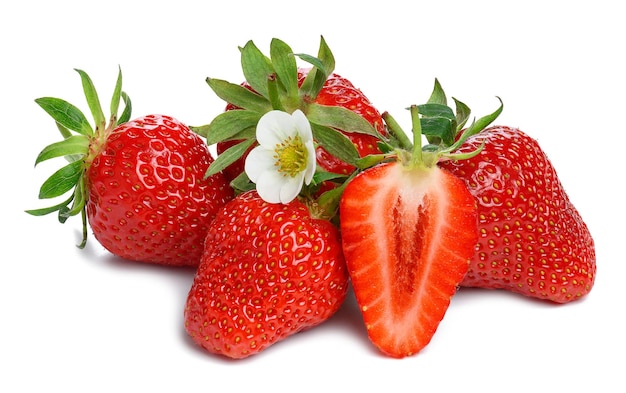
(291, 156)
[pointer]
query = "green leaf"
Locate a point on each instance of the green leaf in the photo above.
(66, 114)
(285, 66)
(323, 67)
(321, 176)
(242, 183)
(438, 129)
(370, 160)
(115, 100)
(339, 118)
(50, 209)
(239, 96)
(438, 96)
(61, 181)
(92, 99)
(462, 114)
(256, 68)
(484, 121)
(78, 205)
(229, 156)
(128, 108)
(335, 143)
(228, 124)
(75, 144)
(436, 110)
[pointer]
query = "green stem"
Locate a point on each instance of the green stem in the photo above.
(396, 131)
(417, 158)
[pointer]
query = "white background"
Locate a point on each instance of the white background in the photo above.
(78, 321)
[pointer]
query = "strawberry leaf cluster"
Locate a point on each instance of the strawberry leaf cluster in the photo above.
(78, 138)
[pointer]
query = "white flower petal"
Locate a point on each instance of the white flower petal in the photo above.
(269, 185)
(302, 125)
(311, 164)
(274, 127)
(275, 132)
(258, 161)
(291, 188)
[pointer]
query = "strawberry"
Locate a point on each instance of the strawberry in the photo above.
(336, 91)
(346, 126)
(408, 231)
(268, 271)
(140, 183)
(532, 240)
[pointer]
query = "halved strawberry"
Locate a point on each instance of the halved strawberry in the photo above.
(407, 233)
(408, 230)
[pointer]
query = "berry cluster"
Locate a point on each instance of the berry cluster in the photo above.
(314, 191)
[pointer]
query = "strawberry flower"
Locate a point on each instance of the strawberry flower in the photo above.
(285, 158)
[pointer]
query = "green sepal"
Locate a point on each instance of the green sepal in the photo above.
(66, 114)
(285, 66)
(370, 160)
(477, 126)
(128, 108)
(462, 114)
(51, 209)
(438, 130)
(321, 176)
(323, 67)
(242, 183)
(62, 180)
(115, 98)
(438, 123)
(256, 69)
(75, 146)
(438, 96)
(79, 200)
(228, 124)
(229, 156)
(92, 99)
(335, 143)
(239, 96)
(340, 118)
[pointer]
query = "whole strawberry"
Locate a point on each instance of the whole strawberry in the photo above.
(346, 125)
(268, 271)
(532, 240)
(140, 183)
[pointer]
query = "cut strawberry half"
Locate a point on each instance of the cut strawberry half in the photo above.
(407, 238)
(409, 229)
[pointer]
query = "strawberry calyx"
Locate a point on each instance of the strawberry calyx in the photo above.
(272, 84)
(441, 126)
(80, 144)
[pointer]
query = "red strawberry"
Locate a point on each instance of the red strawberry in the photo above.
(268, 271)
(140, 184)
(345, 124)
(337, 91)
(408, 230)
(532, 239)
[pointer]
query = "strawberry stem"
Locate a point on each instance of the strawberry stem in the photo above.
(417, 158)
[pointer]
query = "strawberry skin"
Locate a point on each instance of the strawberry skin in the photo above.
(407, 238)
(532, 240)
(148, 199)
(268, 271)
